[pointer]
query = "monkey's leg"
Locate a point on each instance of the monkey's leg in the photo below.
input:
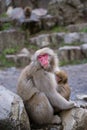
(40, 110)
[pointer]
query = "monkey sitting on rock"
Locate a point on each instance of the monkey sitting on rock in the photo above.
(37, 87)
(27, 12)
(63, 86)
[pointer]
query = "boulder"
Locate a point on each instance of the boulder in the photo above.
(69, 53)
(15, 13)
(23, 58)
(41, 40)
(75, 119)
(84, 49)
(77, 27)
(40, 12)
(53, 39)
(21, 3)
(32, 24)
(12, 112)
(56, 39)
(20, 60)
(2, 6)
(72, 38)
(67, 11)
(40, 3)
(49, 22)
(25, 51)
(82, 97)
(11, 58)
(83, 37)
(11, 39)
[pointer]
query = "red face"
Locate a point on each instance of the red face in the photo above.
(44, 60)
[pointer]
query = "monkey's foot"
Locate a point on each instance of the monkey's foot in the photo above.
(56, 120)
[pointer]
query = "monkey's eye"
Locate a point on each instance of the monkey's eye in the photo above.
(43, 55)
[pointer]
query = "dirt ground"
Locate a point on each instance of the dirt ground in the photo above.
(77, 78)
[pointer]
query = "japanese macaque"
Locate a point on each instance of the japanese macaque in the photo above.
(63, 86)
(37, 87)
(27, 12)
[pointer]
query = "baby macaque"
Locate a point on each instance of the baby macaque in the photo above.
(63, 86)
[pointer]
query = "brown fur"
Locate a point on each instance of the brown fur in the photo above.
(27, 12)
(37, 87)
(63, 86)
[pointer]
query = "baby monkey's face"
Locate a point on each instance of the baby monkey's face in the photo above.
(61, 76)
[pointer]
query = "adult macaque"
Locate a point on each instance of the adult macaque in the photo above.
(63, 86)
(27, 12)
(37, 87)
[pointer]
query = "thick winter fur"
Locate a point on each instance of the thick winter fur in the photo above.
(27, 12)
(37, 87)
(63, 86)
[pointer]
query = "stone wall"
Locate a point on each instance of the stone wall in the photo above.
(68, 11)
(2, 6)
(11, 39)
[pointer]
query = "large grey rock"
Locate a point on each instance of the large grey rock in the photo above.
(49, 22)
(82, 97)
(31, 3)
(67, 11)
(40, 3)
(83, 37)
(75, 119)
(39, 12)
(21, 3)
(11, 39)
(11, 58)
(12, 112)
(54, 39)
(2, 6)
(15, 13)
(69, 53)
(25, 51)
(84, 49)
(23, 58)
(20, 60)
(41, 40)
(77, 27)
(72, 37)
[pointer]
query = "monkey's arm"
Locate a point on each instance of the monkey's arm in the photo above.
(26, 89)
(58, 101)
(65, 91)
(31, 69)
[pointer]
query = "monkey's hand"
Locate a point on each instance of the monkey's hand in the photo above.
(76, 105)
(37, 65)
(34, 66)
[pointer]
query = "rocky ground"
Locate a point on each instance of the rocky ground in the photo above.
(77, 78)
